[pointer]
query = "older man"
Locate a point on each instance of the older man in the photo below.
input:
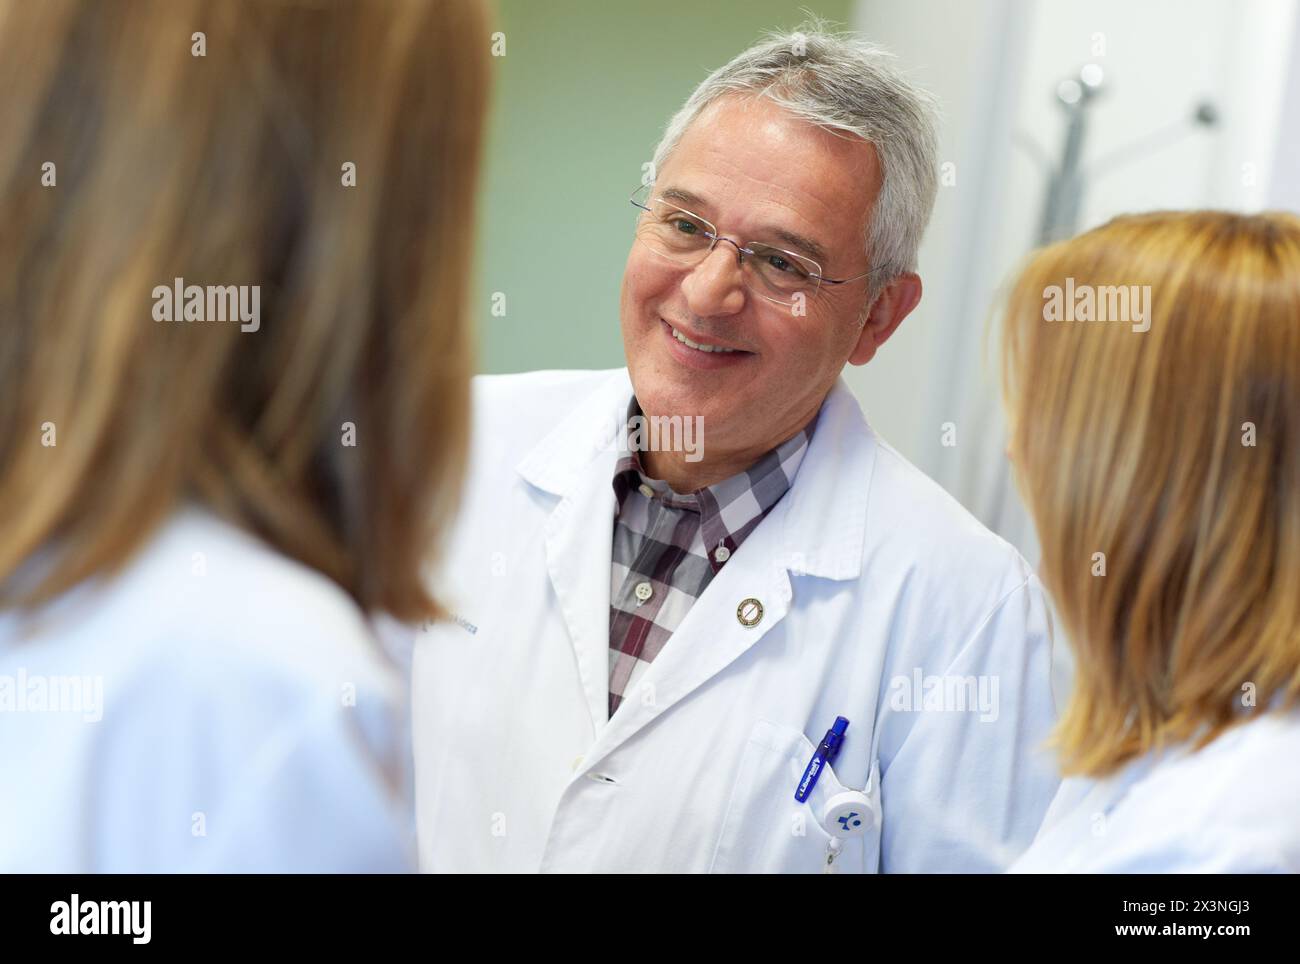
(783, 649)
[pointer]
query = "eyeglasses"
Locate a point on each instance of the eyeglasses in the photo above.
(773, 273)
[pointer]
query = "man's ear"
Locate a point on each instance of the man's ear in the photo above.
(892, 305)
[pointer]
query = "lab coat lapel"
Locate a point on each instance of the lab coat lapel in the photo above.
(711, 636)
(576, 462)
(579, 549)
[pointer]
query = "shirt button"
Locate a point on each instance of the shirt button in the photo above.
(644, 591)
(722, 554)
(645, 490)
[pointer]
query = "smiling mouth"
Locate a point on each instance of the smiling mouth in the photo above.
(708, 349)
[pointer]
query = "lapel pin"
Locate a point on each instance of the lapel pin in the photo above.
(749, 612)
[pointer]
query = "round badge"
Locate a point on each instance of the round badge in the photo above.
(749, 612)
(848, 814)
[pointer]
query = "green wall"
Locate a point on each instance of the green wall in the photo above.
(579, 101)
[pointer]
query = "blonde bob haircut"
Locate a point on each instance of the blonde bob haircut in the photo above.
(147, 140)
(1169, 456)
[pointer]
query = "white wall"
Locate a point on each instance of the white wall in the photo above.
(995, 65)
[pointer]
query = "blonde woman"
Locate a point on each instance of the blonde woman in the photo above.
(233, 386)
(1159, 453)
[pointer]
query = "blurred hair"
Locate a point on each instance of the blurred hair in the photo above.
(838, 81)
(226, 169)
(1132, 444)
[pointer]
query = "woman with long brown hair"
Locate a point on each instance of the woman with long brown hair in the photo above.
(1158, 449)
(234, 366)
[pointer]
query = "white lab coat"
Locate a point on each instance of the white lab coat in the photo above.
(245, 718)
(866, 571)
(1232, 807)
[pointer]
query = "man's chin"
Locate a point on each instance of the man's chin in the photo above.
(664, 387)
(669, 400)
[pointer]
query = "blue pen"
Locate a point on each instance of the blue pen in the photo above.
(822, 757)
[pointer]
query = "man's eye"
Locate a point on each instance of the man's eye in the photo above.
(781, 264)
(685, 226)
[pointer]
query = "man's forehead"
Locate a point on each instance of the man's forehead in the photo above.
(757, 136)
(787, 181)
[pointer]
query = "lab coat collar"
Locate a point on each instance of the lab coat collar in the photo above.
(826, 523)
(824, 527)
(564, 455)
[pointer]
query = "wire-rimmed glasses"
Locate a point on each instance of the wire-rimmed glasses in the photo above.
(681, 236)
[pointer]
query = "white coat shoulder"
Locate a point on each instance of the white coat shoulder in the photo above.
(1228, 808)
(517, 409)
(920, 525)
(249, 721)
(977, 602)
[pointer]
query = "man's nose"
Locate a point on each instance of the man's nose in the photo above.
(716, 285)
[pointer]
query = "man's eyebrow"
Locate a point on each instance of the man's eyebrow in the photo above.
(683, 195)
(798, 241)
(807, 245)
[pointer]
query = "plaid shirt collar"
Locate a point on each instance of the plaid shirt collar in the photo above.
(729, 510)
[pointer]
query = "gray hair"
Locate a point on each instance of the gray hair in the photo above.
(841, 82)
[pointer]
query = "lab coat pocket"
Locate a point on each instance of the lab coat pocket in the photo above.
(765, 830)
